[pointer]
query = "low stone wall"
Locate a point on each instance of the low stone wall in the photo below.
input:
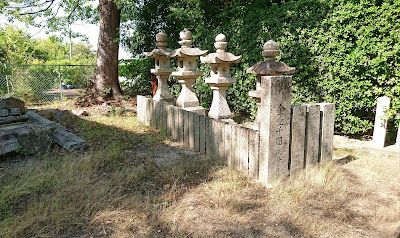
(311, 135)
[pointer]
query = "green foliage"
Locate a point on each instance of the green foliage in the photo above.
(137, 76)
(345, 52)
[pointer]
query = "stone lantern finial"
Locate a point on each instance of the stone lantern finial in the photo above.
(161, 39)
(186, 38)
(270, 50)
(220, 43)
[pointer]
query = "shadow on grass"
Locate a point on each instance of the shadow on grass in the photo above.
(120, 187)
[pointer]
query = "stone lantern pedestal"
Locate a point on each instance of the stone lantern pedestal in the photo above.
(162, 68)
(187, 74)
(269, 67)
(220, 78)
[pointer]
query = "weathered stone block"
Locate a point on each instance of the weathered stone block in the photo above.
(228, 144)
(202, 134)
(4, 113)
(298, 137)
(219, 142)
(180, 126)
(15, 111)
(243, 159)
(327, 130)
(380, 128)
(10, 103)
(312, 135)
(254, 145)
(274, 127)
(196, 130)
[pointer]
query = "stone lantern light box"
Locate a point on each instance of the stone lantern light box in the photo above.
(162, 69)
(220, 78)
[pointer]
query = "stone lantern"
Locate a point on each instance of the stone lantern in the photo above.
(268, 67)
(162, 68)
(186, 73)
(220, 78)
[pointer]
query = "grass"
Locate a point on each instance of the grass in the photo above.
(118, 189)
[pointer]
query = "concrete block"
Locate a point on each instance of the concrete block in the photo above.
(274, 127)
(298, 136)
(254, 145)
(228, 144)
(312, 135)
(380, 127)
(327, 129)
(196, 131)
(202, 134)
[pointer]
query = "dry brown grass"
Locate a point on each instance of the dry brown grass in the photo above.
(106, 192)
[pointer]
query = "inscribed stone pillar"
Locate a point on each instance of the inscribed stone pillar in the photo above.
(274, 127)
(380, 128)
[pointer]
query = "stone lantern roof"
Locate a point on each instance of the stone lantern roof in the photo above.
(220, 56)
(270, 66)
(161, 50)
(186, 49)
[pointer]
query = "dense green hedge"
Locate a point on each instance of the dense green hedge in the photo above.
(345, 52)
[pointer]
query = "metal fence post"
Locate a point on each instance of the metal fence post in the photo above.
(59, 77)
(8, 88)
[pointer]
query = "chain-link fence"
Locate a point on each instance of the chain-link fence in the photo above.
(36, 84)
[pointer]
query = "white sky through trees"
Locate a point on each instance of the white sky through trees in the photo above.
(89, 30)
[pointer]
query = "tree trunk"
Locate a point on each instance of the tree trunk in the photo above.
(106, 82)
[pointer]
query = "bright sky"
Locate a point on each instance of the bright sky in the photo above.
(90, 30)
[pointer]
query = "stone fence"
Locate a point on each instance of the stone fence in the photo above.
(310, 141)
(285, 138)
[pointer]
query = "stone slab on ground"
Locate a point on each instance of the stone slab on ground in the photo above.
(27, 138)
(60, 134)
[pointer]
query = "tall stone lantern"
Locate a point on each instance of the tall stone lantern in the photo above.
(162, 68)
(220, 78)
(186, 73)
(268, 67)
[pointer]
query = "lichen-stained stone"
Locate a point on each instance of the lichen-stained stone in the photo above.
(220, 78)
(162, 68)
(187, 73)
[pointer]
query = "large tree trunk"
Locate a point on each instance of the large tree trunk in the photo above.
(106, 82)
